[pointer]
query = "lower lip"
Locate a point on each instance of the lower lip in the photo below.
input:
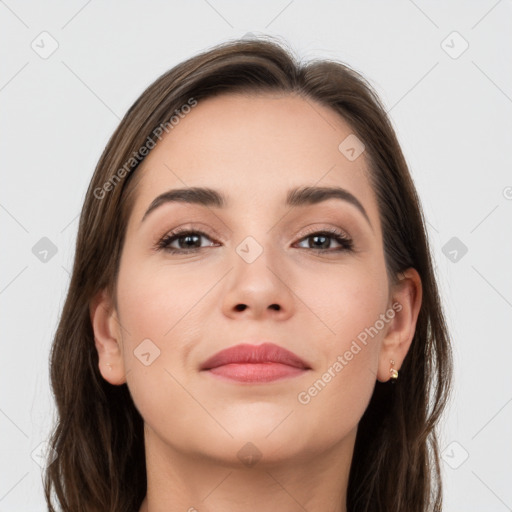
(256, 372)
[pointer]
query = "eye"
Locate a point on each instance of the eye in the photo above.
(319, 240)
(187, 240)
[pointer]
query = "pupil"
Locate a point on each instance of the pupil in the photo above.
(316, 237)
(188, 238)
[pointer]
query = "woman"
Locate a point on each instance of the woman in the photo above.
(253, 318)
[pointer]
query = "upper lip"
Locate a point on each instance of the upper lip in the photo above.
(262, 353)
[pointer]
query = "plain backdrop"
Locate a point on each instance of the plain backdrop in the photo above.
(71, 69)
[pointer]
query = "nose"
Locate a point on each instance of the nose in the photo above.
(259, 289)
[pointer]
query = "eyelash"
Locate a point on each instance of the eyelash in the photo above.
(347, 244)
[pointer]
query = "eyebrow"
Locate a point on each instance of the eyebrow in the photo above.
(296, 197)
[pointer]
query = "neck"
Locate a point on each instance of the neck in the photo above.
(179, 481)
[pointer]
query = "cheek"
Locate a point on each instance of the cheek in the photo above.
(346, 300)
(159, 326)
(350, 303)
(154, 301)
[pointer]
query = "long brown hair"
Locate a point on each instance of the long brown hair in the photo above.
(99, 433)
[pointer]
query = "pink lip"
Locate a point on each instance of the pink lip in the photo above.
(255, 363)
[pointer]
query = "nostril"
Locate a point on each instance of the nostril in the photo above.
(240, 307)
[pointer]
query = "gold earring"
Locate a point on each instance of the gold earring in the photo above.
(394, 373)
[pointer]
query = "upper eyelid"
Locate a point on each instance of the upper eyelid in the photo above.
(193, 227)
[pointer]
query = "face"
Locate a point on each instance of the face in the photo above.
(309, 277)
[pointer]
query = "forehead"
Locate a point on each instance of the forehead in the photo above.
(254, 148)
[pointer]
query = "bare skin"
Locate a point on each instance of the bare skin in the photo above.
(253, 149)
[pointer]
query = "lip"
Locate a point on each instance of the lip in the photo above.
(255, 363)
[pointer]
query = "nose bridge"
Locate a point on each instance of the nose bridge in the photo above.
(256, 261)
(255, 234)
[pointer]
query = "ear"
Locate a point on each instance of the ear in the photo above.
(406, 299)
(107, 338)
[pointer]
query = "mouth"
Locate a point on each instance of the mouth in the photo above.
(255, 363)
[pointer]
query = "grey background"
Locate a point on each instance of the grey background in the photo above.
(452, 112)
